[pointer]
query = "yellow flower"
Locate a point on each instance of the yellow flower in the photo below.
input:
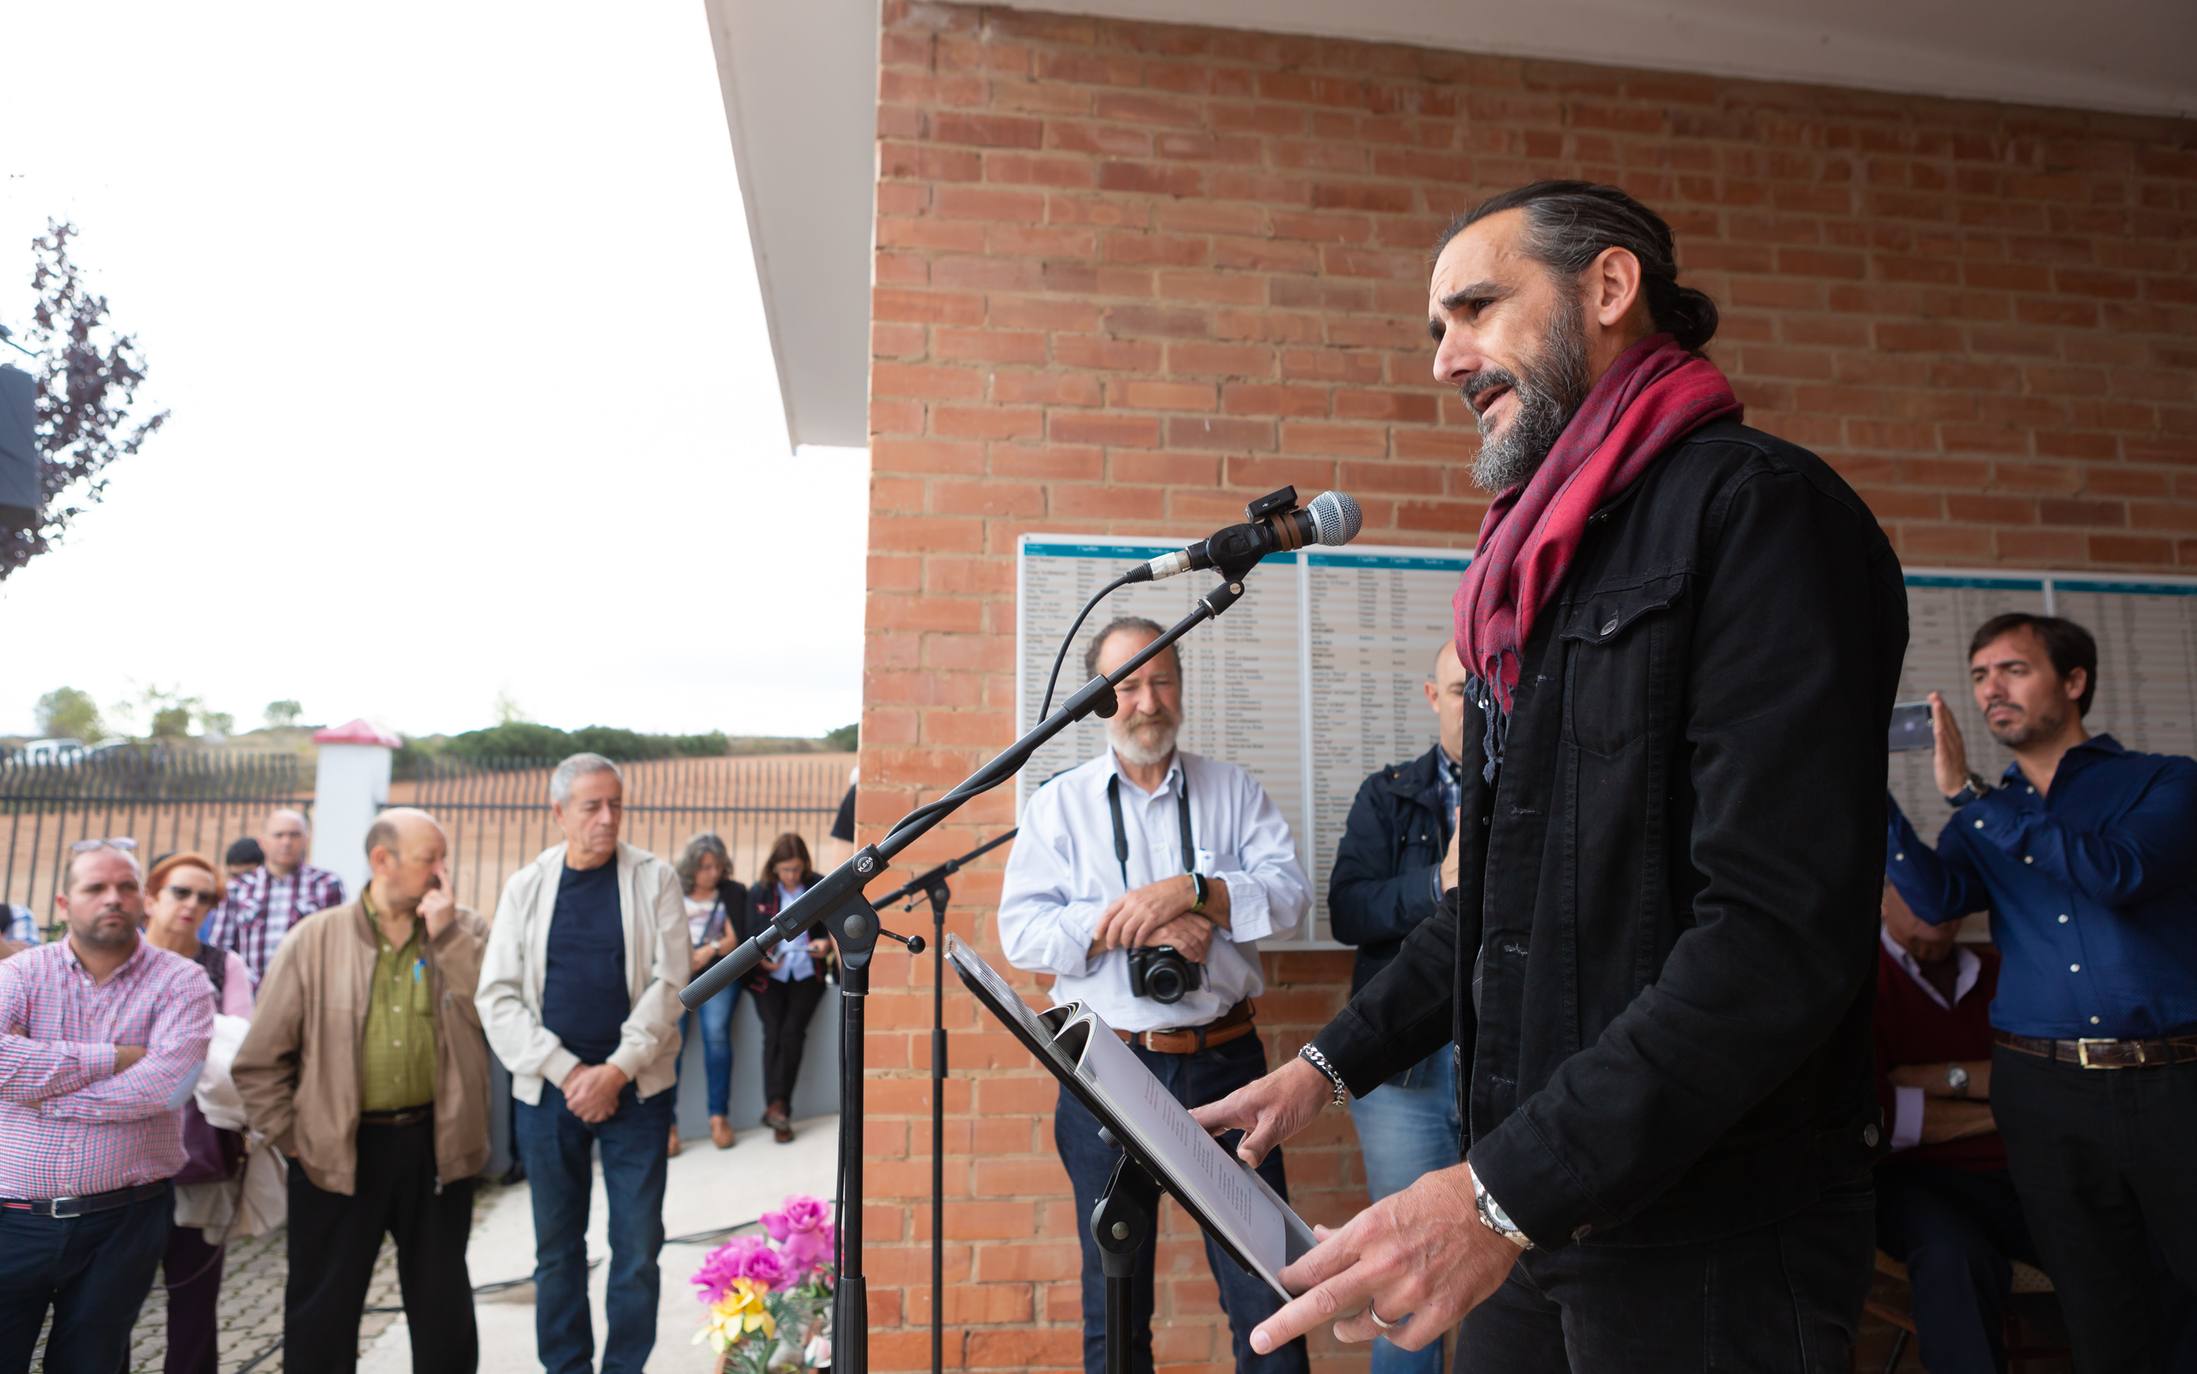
(742, 1310)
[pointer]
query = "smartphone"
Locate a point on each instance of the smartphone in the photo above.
(1911, 726)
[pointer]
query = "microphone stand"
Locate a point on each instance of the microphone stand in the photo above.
(838, 903)
(933, 885)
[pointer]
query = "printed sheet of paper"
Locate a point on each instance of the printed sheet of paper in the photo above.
(1255, 1221)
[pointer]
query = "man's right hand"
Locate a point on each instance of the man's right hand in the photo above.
(1949, 754)
(589, 1093)
(126, 1055)
(1449, 860)
(1268, 1111)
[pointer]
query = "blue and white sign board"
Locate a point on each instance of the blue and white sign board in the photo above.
(1314, 679)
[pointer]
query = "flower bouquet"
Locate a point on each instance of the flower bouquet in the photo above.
(770, 1297)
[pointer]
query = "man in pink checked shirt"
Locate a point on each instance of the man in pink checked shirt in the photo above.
(101, 1040)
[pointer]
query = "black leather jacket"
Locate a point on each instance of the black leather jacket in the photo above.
(1658, 963)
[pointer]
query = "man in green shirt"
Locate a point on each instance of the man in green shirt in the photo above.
(366, 1065)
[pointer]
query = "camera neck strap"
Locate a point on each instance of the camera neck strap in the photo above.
(1121, 833)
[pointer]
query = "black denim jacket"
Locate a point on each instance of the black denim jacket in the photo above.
(1658, 963)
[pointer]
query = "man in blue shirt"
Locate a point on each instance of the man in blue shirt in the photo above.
(2085, 853)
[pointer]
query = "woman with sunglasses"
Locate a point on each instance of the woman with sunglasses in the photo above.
(180, 891)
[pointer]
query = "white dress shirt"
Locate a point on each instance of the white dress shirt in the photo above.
(1063, 874)
(1907, 1103)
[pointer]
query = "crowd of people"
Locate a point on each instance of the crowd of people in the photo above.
(211, 1049)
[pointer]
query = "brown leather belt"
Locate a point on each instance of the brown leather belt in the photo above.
(1233, 1024)
(2106, 1054)
(410, 1116)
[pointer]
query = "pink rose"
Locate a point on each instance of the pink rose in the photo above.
(742, 1257)
(804, 1232)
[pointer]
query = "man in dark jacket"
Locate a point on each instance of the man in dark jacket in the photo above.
(1683, 638)
(1387, 879)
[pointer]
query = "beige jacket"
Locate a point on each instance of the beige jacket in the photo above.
(654, 914)
(298, 1072)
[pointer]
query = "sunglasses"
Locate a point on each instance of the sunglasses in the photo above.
(193, 894)
(123, 842)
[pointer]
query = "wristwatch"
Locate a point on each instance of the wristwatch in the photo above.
(1494, 1217)
(1974, 789)
(1956, 1078)
(1202, 888)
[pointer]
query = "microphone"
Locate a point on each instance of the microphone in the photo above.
(1331, 518)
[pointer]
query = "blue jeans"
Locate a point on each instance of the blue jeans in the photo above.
(555, 1146)
(1194, 1079)
(716, 1018)
(1407, 1127)
(93, 1271)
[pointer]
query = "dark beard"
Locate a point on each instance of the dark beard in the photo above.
(1543, 401)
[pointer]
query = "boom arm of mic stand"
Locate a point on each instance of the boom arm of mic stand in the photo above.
(922, 881)
(843, 884)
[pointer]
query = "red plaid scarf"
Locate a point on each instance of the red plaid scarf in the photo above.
(1655, 394)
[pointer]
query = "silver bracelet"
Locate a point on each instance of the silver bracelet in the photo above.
(1319, 1061)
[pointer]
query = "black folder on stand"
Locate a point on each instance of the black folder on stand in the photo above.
(1220, 1192)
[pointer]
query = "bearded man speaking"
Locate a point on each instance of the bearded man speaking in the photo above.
(1683, 638)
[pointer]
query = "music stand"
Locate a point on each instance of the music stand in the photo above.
(1125, 1211)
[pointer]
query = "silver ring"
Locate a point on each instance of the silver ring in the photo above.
(1375, 1313)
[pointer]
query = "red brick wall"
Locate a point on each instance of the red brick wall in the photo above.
(1129, 275)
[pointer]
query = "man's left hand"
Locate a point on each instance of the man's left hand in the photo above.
(1137, 915)
(1419, 1257)
(440, 906)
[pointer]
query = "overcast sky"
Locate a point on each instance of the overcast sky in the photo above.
(454, 307)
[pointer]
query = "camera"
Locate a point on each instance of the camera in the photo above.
(1162, 974)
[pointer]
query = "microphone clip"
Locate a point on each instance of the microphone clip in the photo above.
(1273, 503)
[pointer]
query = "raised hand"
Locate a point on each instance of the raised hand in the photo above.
(1949, 755)
(440, 906)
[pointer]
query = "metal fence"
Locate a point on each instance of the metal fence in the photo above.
(164, 801)
(496, 811)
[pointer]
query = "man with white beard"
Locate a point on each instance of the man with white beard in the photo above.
(1142, 880)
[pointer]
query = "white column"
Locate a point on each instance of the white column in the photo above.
(350, 789)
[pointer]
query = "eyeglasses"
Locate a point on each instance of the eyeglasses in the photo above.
(122, 842)
(193, 894)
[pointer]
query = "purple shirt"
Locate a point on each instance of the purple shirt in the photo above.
(69, 1124)
(262, 907)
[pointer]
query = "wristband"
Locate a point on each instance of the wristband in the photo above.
(1204, 890)
(1318, 1061)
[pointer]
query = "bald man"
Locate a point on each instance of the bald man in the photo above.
(366, 1066)
(267, 902)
